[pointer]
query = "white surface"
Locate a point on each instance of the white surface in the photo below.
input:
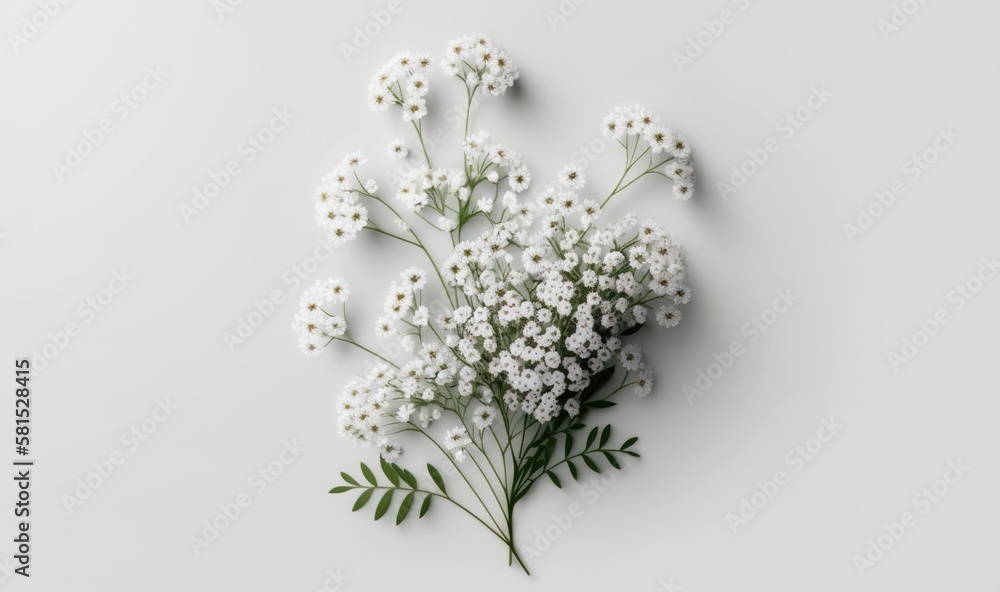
(666, 516)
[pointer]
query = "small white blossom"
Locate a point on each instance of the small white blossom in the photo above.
(668, 316)
(397, 149)
(404, 412)
(457, 437)
(572, 177)
(483, 416)
(389, 451)
(414, 109)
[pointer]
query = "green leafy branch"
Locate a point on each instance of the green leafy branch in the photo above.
(400, 480)
(594, 450)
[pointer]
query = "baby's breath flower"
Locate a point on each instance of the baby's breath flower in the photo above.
(572, 177)
(644, 384)
(659, 138)
(389, 450)
(519, 179)
(414, 278)
(457, 437)
(589, 212)
(485, 204)
(414, 109)
(355, 160)
(481, 64)
(522, 321)
(683, 189)
(668, 316)
(397, 149)
(483, 416)
(679, 147)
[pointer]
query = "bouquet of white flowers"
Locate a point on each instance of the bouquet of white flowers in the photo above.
(516, 365)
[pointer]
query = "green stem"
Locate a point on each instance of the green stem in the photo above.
(389, 234)
(348, 339)
(416, 238)
(420, 135)
(464, 478)
(499, 535)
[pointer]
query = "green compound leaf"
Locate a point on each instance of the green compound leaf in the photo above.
(341, 489)
(605, 435)
(590, 438)
(628, 443)
(555, 480)
(349, 479)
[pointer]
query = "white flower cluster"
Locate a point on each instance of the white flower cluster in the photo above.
(422, 186)
(338, 207)
(317, 327)
(640, 122)
(400, 302)
(489, 160)
(402, 81)
(539, 302)
(480, 63)
(544, 330)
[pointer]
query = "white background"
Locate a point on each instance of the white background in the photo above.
(664, 519)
